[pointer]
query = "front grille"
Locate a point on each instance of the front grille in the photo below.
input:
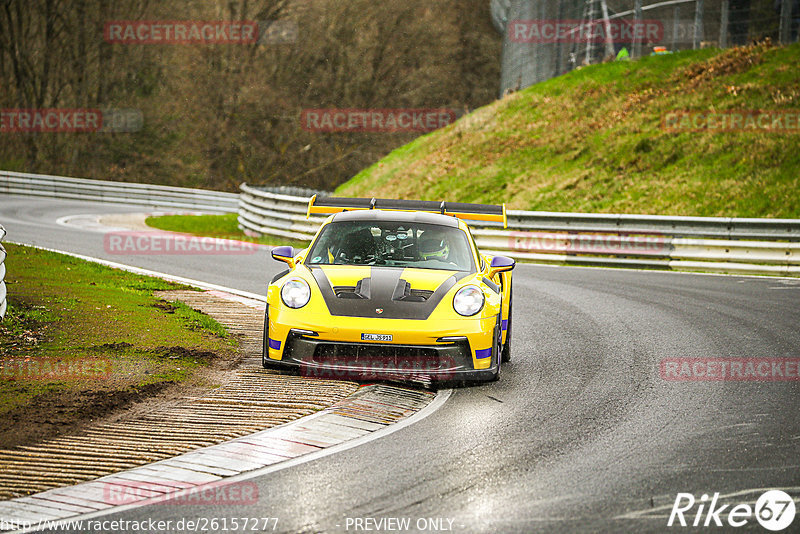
(333, 350)
(380, 356)
(377, 361)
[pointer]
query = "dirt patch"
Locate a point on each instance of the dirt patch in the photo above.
(112, 346)
(23, 329)
(732, 61)
(166, 307)
(175, 353)
(51, 414)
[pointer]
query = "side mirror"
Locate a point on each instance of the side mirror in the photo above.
(500, 264)
(284, 254)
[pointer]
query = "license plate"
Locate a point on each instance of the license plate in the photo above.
(376, 337)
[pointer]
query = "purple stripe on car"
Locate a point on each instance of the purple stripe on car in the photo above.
(274, 344)
(485, 353)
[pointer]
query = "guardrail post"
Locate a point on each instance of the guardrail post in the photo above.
(3, 302)
(785, 31)
(637, 18)
(697, 39)
(723, 25)
(675, 25)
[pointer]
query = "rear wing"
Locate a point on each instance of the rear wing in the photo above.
(461, 210)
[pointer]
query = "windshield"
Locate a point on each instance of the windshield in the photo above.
(392, 244)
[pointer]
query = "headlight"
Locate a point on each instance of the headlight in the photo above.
(468, 301)
(295, 293)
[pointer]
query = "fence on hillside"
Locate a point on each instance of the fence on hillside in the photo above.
(590, 31)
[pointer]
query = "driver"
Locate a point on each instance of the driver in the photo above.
(434, 246)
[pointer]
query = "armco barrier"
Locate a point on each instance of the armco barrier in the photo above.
(3, 303)
(159, 196)
(716, 244)
(721, 244)
(711, 227)
(273, 212)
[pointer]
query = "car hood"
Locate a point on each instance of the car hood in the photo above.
(384, 292)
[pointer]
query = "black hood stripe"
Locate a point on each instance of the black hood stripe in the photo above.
(382, 284)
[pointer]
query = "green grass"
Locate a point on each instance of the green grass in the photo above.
(68, 310)
(592, 141)
(221, 226)
(195, 320)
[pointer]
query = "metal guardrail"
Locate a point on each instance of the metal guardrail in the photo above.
(3, 302)
(273, 213)
(717, 244)
(675, 226)
(725, 244)
(160, 196)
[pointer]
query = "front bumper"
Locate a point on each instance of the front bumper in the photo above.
(308, 354)
(336, 359)
(439, 348)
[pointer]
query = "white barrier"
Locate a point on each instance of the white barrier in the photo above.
(720, 244)
(276, 214)
(3, 302)
(159, 196)
(717, 244)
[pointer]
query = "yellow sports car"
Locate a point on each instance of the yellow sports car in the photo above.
(391, 289)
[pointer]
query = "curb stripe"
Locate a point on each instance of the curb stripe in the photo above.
(306, 439)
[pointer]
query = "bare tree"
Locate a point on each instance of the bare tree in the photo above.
(217, 115)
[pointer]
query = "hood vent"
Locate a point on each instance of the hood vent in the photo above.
(359, 291)
(404, 292)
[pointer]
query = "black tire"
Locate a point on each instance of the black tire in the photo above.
(496, 351)
(265, 343)
(507, 344)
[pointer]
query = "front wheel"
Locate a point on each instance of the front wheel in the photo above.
(496, 351)
(507, 344)
(265, 344)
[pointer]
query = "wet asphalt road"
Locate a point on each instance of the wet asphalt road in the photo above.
(581, 433)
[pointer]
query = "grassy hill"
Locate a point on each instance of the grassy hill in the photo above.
(592, 141)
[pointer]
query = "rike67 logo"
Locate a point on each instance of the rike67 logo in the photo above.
(774, 510)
